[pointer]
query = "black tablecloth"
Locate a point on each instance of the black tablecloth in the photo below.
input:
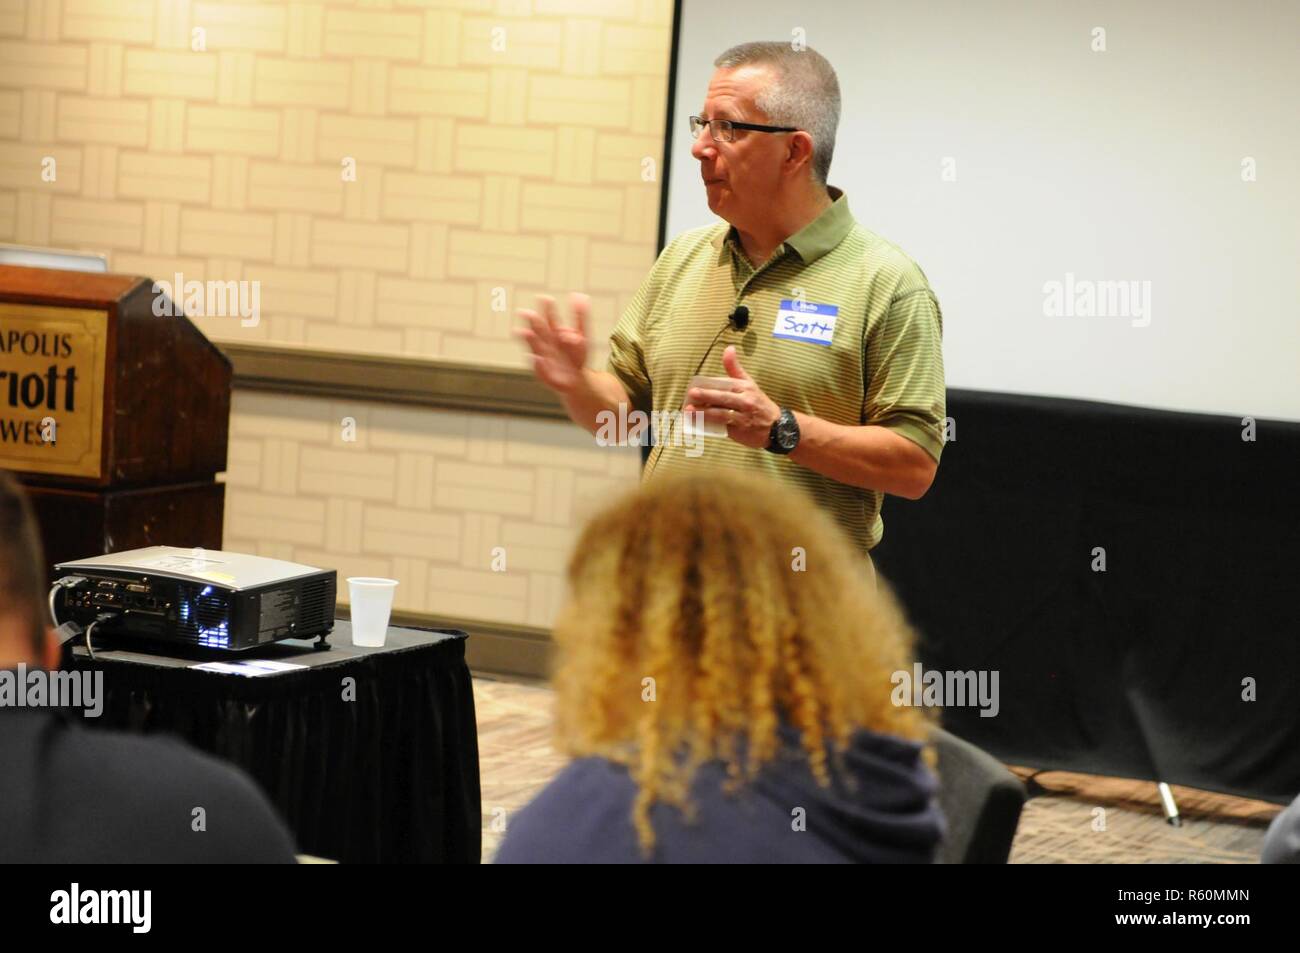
(391, 776)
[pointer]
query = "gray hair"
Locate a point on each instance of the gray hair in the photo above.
(805, 93)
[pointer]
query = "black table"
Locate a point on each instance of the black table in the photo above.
(380, 769)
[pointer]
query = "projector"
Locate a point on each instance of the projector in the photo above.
(196, 597)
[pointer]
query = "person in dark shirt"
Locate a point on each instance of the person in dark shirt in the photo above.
(723, 686)
(70, 795)
(1282, 842)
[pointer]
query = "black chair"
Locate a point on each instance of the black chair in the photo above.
(981, 800)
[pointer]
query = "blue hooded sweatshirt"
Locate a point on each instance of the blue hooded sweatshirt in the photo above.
(879, 809)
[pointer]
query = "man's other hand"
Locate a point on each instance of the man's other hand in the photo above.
(747, 411)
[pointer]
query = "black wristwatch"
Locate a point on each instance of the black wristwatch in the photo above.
(785, 433)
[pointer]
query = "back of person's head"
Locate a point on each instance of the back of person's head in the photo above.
(43, 804)
(22, 578)
(706, 610)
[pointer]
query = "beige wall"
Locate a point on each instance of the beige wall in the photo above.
(477, 168)
(420, 496)
(498, 145)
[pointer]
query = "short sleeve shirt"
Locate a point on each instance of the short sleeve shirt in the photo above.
(842, 325)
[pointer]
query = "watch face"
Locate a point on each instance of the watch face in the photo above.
(787, 432)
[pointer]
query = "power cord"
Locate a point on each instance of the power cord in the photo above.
(66, 582)
(102, 617)
(67, 631)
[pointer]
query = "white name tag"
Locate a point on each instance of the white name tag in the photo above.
(805, 321)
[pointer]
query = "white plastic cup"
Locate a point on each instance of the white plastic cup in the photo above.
(372, 604)
(708, 428)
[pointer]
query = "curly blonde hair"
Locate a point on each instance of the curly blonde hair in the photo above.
(695, 582)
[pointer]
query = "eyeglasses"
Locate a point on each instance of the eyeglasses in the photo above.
(722, 129)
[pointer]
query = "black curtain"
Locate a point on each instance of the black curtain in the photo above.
(1136, 671)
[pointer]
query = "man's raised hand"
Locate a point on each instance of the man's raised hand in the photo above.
(559, 352)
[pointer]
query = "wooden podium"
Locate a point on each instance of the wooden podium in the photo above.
(115, 418)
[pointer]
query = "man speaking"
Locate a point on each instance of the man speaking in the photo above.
(829, 334)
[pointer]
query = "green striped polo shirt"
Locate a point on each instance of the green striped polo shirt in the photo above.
(882, 365)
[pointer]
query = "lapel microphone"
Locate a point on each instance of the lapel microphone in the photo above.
(738, 319)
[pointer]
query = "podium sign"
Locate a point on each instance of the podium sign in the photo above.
(114, 413)
(52, 389)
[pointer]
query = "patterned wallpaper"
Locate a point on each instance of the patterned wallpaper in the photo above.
(500, 148)
(396, 176)
(430, 498)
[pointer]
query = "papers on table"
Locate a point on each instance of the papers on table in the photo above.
(250, 668)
